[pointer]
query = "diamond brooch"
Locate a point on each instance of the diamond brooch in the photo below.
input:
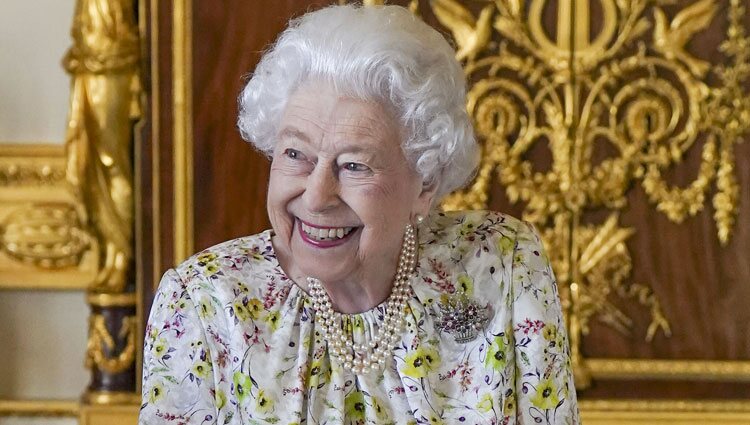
(461, 317)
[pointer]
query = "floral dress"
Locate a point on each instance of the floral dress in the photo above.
(232, 340)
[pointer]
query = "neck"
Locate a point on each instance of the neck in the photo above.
(360, 295)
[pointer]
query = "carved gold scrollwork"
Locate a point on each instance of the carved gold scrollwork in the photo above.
(14, 174)
(44, 235)
(100, 342)
(634, 86)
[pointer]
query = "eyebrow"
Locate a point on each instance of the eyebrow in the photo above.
(295, 133)
(291, 132)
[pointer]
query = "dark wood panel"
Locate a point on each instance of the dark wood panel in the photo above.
(154, 155)
(164, 139)
(230, 177)
(703, 287)
(664, 390)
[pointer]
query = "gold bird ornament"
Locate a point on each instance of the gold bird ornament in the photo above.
(413, 5)
(670, 39)
(471, 34)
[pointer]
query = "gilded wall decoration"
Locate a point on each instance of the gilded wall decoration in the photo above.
(47, 235)
(101, 345)
(105, 101)
(43, 243)
(104, 64)
(634, 85)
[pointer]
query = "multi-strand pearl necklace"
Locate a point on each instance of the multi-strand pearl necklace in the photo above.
(370, 355)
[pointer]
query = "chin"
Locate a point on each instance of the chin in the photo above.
(324, 263)
(325, 272)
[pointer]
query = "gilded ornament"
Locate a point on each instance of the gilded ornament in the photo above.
(471, 34)
(33, 174)
(105, 101)
(633, 84)
(48, 236)
(101, 343)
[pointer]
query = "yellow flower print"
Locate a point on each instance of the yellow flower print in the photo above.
(206, 257)
(255, 307)
(505, 245)
(420, 362)
(465, 285)
(509, 407)
(549, 332)
(485, 403)
(211, 269)
(467, 228)
(272, 318)
(177, 306)
(242, 384)
(380, 411)
(354, 406)
(263, 402)
(317, 375)
(436, 420)
(220, 399)
(201, 369)
(240, 311)
(496, 354)
(306, 342)
(206, 309)
(546, 395)
(357, 323)
(156, 393)
(160, 348)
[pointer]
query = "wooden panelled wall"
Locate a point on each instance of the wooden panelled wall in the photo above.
(704, 288)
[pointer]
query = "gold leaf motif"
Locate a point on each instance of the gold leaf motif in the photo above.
(644, 95)
(670, 39)
(471, 34)
(101, 342)
(606, 238)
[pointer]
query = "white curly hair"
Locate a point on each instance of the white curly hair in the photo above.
(382, 54)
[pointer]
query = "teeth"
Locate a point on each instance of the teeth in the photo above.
(326, 234)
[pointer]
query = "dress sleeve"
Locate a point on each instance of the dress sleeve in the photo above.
(178, 381)
(545, 392)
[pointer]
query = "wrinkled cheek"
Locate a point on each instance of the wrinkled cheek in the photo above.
(278, 200)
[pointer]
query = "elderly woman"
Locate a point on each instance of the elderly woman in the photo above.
(363, 304)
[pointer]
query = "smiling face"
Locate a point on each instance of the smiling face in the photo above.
(340, 194)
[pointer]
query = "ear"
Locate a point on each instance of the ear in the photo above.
(423, 203)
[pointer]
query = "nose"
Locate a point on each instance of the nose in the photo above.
(321, 190)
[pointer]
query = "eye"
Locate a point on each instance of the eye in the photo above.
(355, 166)
(293, 154)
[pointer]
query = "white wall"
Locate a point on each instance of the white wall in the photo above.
(34, 88)
(42, 344)
(42, 334)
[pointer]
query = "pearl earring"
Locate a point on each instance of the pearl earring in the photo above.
(419, 219)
